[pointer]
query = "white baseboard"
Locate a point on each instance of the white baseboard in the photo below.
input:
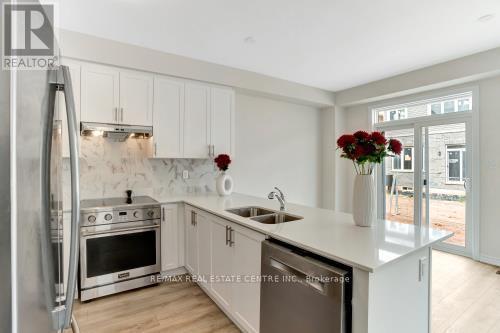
(489, 260)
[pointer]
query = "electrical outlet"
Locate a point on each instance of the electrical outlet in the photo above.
(185, 174)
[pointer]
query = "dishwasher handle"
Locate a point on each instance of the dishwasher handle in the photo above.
(302, 277)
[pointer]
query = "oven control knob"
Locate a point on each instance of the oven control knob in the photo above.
(108, 217)
(91, 218)
(136, 214)
(151, 213)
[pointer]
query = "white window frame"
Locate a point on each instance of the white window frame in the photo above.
(402, 161)
(441, 103)
(462, 150)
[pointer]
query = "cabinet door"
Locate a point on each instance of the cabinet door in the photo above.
(196, 120)
(169, 232)
(100, 91)
(203, 226)
(246, 263)
(61, 107)
(222, 262)
(167, 117)
(136, 98)
(191, 256)
(222, 120)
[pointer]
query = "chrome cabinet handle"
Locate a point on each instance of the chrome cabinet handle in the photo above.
(193, 218)
(75, 193)
(231, 234)
(156, 146)
(227, 234)
(115, 114)
(163, 214)
(121, 113)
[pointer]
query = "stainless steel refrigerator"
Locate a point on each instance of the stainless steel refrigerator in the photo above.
(34, 297)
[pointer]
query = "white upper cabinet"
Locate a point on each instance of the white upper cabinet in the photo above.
(136, 98)
(222, 121)
(168, 117)
(196, 120)
(100, 94)
(114, 96)
(192, 119)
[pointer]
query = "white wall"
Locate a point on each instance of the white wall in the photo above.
(357, 117)
(277, 144)
(105, 51)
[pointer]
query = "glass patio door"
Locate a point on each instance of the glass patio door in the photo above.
(430, 183)
(446, 182)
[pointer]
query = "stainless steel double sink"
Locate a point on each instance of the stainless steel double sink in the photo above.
(264, 215)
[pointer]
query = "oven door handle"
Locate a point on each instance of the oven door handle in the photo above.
(117, 231)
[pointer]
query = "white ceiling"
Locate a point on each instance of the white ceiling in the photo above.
(331, 44)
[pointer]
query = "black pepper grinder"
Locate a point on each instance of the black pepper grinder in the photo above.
(129, 196)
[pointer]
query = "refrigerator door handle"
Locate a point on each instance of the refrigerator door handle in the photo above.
(75, 195)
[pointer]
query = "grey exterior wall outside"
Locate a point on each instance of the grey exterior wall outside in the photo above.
(440, 137)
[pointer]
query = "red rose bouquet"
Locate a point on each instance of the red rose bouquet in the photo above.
(366, 150)
(222, 161)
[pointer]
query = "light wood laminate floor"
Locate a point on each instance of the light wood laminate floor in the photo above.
(465, 299)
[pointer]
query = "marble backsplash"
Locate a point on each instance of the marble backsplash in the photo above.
(108, 168)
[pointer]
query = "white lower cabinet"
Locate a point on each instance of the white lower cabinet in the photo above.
(191, 242)
(230, 254)
(169, 237)
(222, 262)
(247, 260)
(203, 225)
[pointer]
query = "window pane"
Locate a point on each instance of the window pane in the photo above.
(425, 108)
(454, 165)
(464, 104)
(449, 106)
(396, 164)
(408, 158)
(436, 108)
(392, 115)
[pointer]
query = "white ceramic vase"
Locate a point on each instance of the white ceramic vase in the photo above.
(224, 184)
(363, 201)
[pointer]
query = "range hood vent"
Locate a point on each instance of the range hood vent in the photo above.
(115, 131)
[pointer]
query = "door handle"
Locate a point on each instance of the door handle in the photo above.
(115, 118)
(227, 234)
(121, 114)
(75, 194)
(163, 214)
(301, 276)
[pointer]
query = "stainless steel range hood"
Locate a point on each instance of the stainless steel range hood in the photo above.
(116, 131)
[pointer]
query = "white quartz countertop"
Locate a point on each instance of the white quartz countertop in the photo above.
(324, 232)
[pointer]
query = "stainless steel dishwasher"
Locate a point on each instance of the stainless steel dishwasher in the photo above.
(301, 292)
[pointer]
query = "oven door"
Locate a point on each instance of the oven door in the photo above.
(111, 256)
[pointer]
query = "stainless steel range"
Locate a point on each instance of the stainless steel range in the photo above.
(119, 245)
